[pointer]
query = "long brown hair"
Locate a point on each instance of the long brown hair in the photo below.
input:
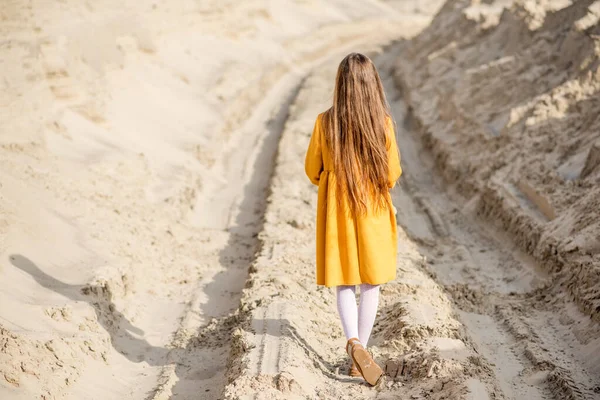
(355, 127)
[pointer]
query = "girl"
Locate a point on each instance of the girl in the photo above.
(354, 159)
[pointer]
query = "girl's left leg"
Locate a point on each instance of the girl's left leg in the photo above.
(367, 311)
(346, 305)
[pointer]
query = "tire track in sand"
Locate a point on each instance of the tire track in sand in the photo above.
(200, 346)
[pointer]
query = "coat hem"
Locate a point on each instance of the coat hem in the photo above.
(329, 285)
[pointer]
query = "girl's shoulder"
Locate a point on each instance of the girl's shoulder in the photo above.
(320, 119)
(390, 131)
(322, 115)
(389, 121)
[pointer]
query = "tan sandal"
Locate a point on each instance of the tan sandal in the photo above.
(363, 361)
(354, 372)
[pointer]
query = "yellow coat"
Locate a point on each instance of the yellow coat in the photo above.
(350, 250)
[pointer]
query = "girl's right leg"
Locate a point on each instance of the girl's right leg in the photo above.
(346, 305)
(367, 311)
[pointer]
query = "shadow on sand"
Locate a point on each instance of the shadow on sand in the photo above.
(120, 329)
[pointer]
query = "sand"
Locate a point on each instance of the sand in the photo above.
(157, 229)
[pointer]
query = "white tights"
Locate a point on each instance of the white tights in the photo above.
(358, 322)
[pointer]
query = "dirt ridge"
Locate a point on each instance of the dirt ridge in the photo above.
(574, 262)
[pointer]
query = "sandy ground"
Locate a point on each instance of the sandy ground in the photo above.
(157, 229)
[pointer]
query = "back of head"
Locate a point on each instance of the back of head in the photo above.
(355, 127)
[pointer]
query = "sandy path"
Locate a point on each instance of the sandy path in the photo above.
(202, 343)
(289, 343)
(482, 334)
(237, 208)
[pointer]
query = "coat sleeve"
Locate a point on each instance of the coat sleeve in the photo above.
(313, 163)
(395, 170)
